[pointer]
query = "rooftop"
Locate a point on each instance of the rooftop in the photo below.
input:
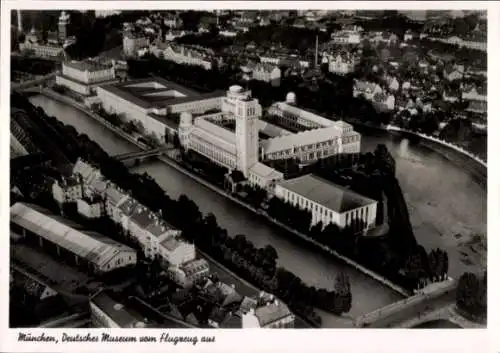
(92, 246)
(327, 194)
(114, 195)
(133, 313)
(302, 138)
(264, 171)
(272, 312)
(124, 317)
(271, 130)
(87, 65)
(194, 266)
(155, 92)
(302, 113)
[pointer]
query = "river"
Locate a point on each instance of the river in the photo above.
(421, 173)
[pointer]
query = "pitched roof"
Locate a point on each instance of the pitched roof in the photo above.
(302, 138)
(327, 194)
(92, 246)
(272, 312)
(302, 113)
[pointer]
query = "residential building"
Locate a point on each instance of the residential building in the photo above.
(182, 54)
(348, 36)
(91, 250)
(474, 93)
(83, 76)
(384, 102)
(173, 21)
(33, 43)
(106, 311)
(328, 202)
(453, 73)
(409, 35)
(342, 63)
(189, 273)
(393, 84)
(478, 107)
(132, 43)
(176, 252)
(174, 33)
(91, 207)
(366, 89)
(67, 190)
(449, 96)
(267, 73)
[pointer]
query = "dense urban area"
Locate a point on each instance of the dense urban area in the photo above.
(269, 111)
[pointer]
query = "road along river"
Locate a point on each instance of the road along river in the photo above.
(315, 268)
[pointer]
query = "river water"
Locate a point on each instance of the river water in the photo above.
(443, 200)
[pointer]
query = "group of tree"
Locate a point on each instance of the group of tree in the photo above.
(35, 66)
(256, 265)
(396, 255)
(472, 295)
(190, 75)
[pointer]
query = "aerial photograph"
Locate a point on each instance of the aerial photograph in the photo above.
(248, 169)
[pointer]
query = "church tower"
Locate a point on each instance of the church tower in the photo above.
(63, 26)
(247, 112)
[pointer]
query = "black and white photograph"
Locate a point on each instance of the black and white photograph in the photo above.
(234, 169)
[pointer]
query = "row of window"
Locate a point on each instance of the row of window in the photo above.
(208, 149)
(197, 107)
(303, 156)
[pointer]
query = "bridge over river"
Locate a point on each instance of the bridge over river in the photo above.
(412, 310)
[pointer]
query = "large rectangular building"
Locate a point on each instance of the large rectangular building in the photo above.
(95, 251)
(328, 202)
(151, 101)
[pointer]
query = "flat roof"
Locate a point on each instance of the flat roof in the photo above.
(332, 196)
(91, 246)
(156, 92)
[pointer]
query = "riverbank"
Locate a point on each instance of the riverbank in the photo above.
(185, 171)
(439, 146)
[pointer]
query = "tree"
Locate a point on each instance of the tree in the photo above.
(471, 295)
(343, 291)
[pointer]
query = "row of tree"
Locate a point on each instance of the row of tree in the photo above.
(472, 295)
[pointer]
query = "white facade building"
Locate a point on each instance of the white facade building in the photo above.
(341, 64)
(319, 137)
(233, 150)
(189, 273)
(132, 43)
(327, 202)
(352, 36)
(68, 190)
(42, 50)
(83, 76)
(91, 207)
(188, 56)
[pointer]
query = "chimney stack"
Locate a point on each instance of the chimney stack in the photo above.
(19, 21)
(316, 53)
